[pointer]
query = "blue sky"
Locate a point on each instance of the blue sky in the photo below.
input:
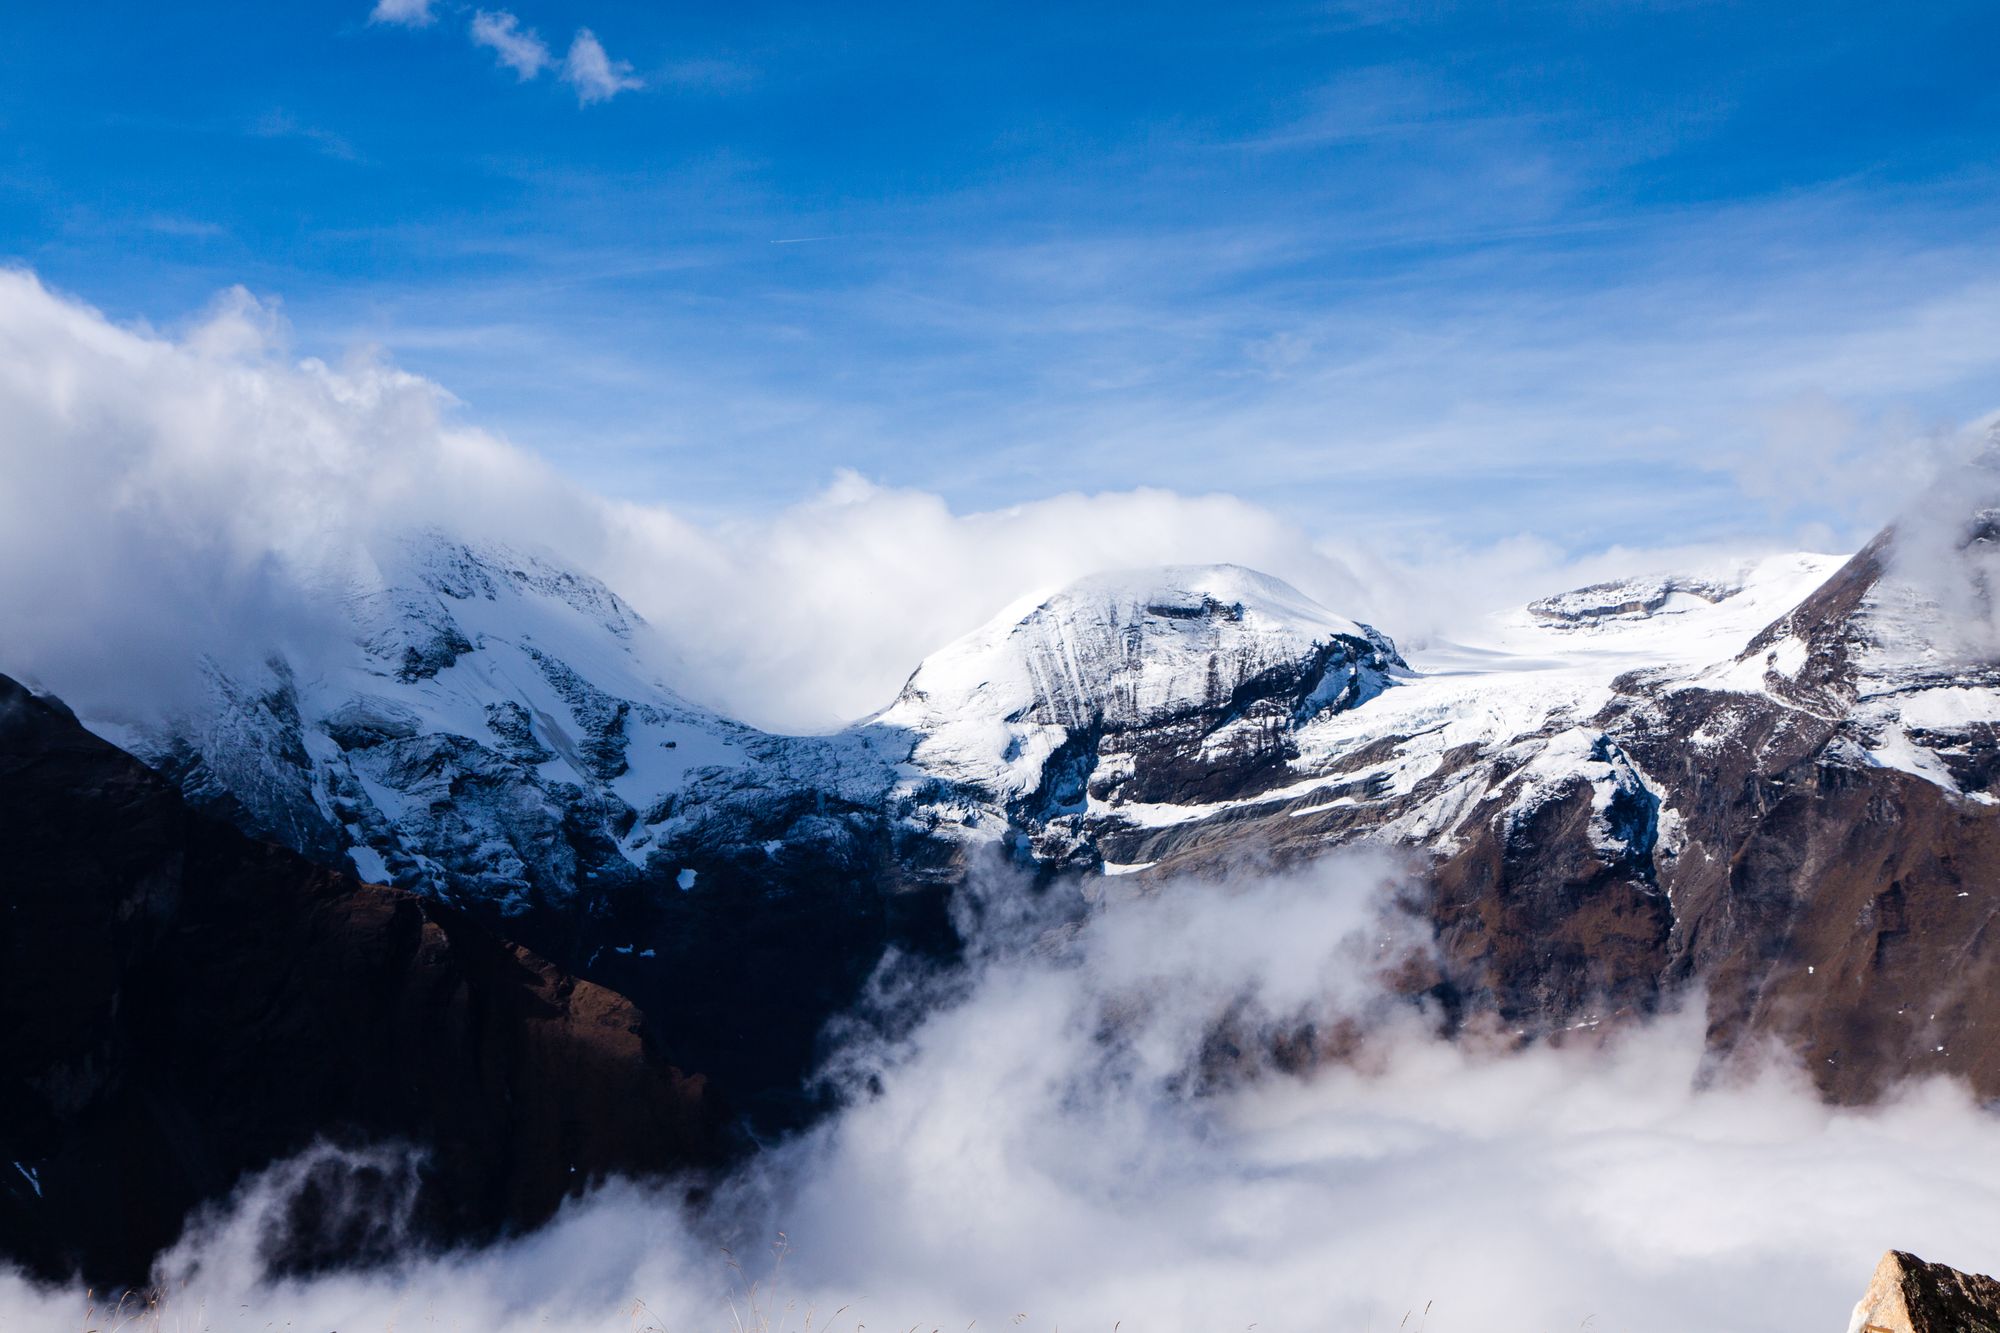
(1604, 272)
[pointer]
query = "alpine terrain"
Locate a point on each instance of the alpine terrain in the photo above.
(1772, 784)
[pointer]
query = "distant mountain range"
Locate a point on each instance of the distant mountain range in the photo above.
(1775, 784)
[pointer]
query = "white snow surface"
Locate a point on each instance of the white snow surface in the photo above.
(1117, 648)
(1924, 679)
(1519, 679)
(1521, 675)
(990, 709)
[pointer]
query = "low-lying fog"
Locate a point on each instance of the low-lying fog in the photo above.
(1050, 1145)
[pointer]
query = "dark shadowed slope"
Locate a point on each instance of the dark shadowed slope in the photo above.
(182, 1004)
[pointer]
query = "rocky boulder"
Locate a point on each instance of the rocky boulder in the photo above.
(1908, 1295)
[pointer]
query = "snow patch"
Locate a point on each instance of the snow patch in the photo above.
(368, 864)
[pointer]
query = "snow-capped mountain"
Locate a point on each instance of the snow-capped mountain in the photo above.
(1227, 712)
(1126, 689)
(1607, 793)
(489, 728)
(489, 732)
(1777, 781)
(1382, 748)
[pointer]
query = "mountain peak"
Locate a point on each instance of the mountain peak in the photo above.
(1225, 658)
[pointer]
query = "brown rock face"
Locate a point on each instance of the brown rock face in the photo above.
(1746, 839)
(182, 1005)
(1850, 912)
(1908, 1295)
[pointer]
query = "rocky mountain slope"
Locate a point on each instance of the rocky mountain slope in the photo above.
(485, 728)
(185, 1004)
(1771, 781)
(1777, 788)
(1774, 784)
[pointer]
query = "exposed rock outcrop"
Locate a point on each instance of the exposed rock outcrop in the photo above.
(1630, 599)
(1908, 1295)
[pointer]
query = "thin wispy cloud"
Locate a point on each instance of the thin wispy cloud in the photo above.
(515, 47)
(594, 74)
(409, 13)
(283, 125)
(170, 224)
(713, 76)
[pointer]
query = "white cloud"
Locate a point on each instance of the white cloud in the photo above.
(410, 13)
(1942, 566)
(594, 74)
(170, 496)
(818, 614)
(1819, 452)
(519, 49)
(1036, 1149)
(587, 67)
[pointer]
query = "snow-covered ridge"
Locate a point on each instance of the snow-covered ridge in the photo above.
(1633, 598)
(495, 726)
(1520, 687)
(1121, 650)
(498, 726)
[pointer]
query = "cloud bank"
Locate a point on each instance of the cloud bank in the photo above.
(1952, 567)
(174, 494)
(171, 496)
(1043, 1153)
